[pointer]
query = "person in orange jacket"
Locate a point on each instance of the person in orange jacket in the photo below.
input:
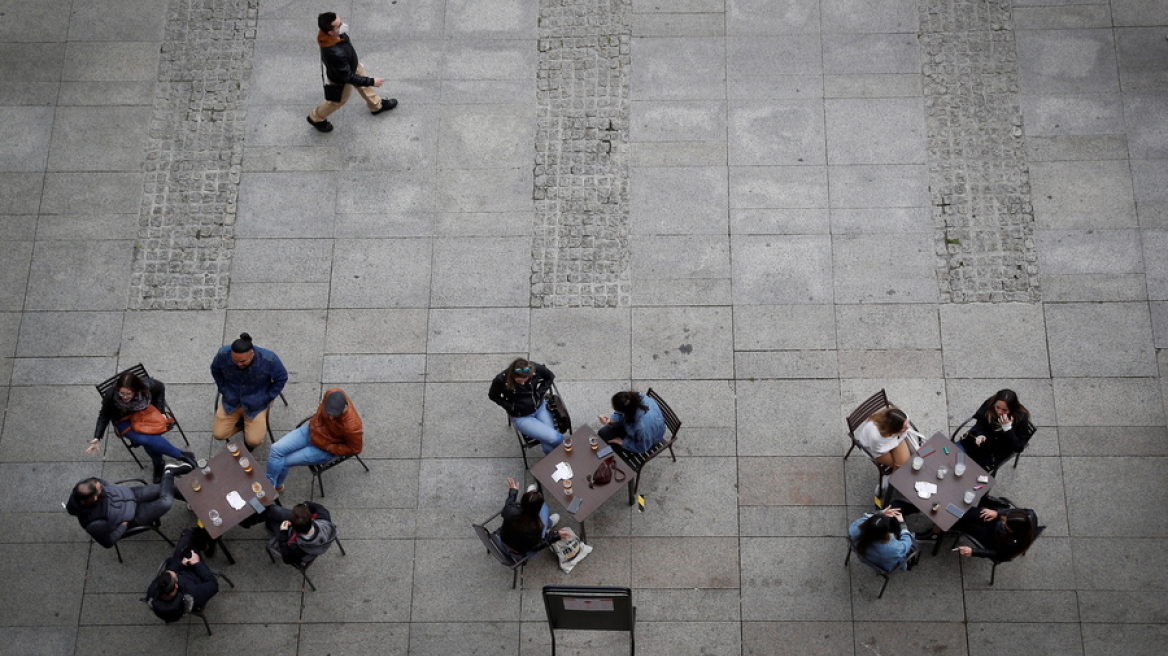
(334, 431)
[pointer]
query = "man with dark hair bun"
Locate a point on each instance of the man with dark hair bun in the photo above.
(249, 378)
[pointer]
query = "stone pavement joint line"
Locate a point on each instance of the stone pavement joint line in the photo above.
(978, 175)
(580, 249)
(182, 259)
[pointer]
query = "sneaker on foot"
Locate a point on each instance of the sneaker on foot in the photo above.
(323, 126)
(554, 519)
(178, 469)
(386, 105)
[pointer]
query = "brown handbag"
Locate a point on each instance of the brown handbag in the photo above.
(606, 472)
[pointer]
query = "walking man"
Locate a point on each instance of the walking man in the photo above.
(344, 70)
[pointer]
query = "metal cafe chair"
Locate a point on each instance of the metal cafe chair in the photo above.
(509, 559)
(911, 558)
(877, 401)
(303, 565)
(317, 470)
(637, 461)
(140, 371)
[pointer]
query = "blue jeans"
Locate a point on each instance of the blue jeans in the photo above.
(540, 427)
(293, 450)
(155, 446)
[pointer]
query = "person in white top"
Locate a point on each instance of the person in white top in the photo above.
(883, 436)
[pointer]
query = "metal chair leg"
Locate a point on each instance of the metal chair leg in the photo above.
(993, 571)
(118, 550)
(883, 588)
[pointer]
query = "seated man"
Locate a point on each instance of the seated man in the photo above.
(107, 510)
(301, 534)
(185, 583)
(335, 430)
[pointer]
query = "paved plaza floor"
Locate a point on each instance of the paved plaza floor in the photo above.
(765, 210)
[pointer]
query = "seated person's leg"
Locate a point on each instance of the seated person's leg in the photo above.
(290, 443)
(276, 515)
(255, 429)
(537, 430)
(154, 501)
(155, 445)
(610, 432)
(225, 425)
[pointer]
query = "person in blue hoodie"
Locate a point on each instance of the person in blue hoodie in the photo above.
(636, 425)
(249, 378)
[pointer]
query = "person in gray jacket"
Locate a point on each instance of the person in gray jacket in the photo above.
(301, 534)
(107, 510)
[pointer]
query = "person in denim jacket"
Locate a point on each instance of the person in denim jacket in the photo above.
(636, 425)
(249, 378)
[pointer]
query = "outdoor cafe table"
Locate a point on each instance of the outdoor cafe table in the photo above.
(227, 476)
(583, 461)
(950, 490)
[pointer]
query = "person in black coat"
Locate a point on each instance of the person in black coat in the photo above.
(339, 58)
(1001, 428)
(185, 583)
(522, 391)
(1003, 532)
(527, 521)
(130, 397)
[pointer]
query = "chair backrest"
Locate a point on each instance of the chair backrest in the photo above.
(875, 402)
(493, 548)
(105, 385)
(671, 420)
(878, 569)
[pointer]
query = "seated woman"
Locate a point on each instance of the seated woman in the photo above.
(522, 390)
(135, 406)
(527, 524)
(1001, 428)
(1004, 533)
(883, 436)
(883, 539)
(636, 425)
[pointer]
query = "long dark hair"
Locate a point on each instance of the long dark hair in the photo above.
(529, 520)
(627, 403)
(1017, 532)
(875, 529)
(519, 363)
(132, 382)
(1010, 398)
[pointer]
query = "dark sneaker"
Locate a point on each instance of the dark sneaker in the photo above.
(178, 469)
(386, 105)
(323, 126)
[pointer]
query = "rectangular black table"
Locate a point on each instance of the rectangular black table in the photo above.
(950, 490)
(583, 462)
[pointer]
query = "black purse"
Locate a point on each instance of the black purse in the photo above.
(332, 92)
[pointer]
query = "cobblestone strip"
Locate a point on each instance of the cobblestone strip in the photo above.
(186, 232)
(580, 251)
(978, 175)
